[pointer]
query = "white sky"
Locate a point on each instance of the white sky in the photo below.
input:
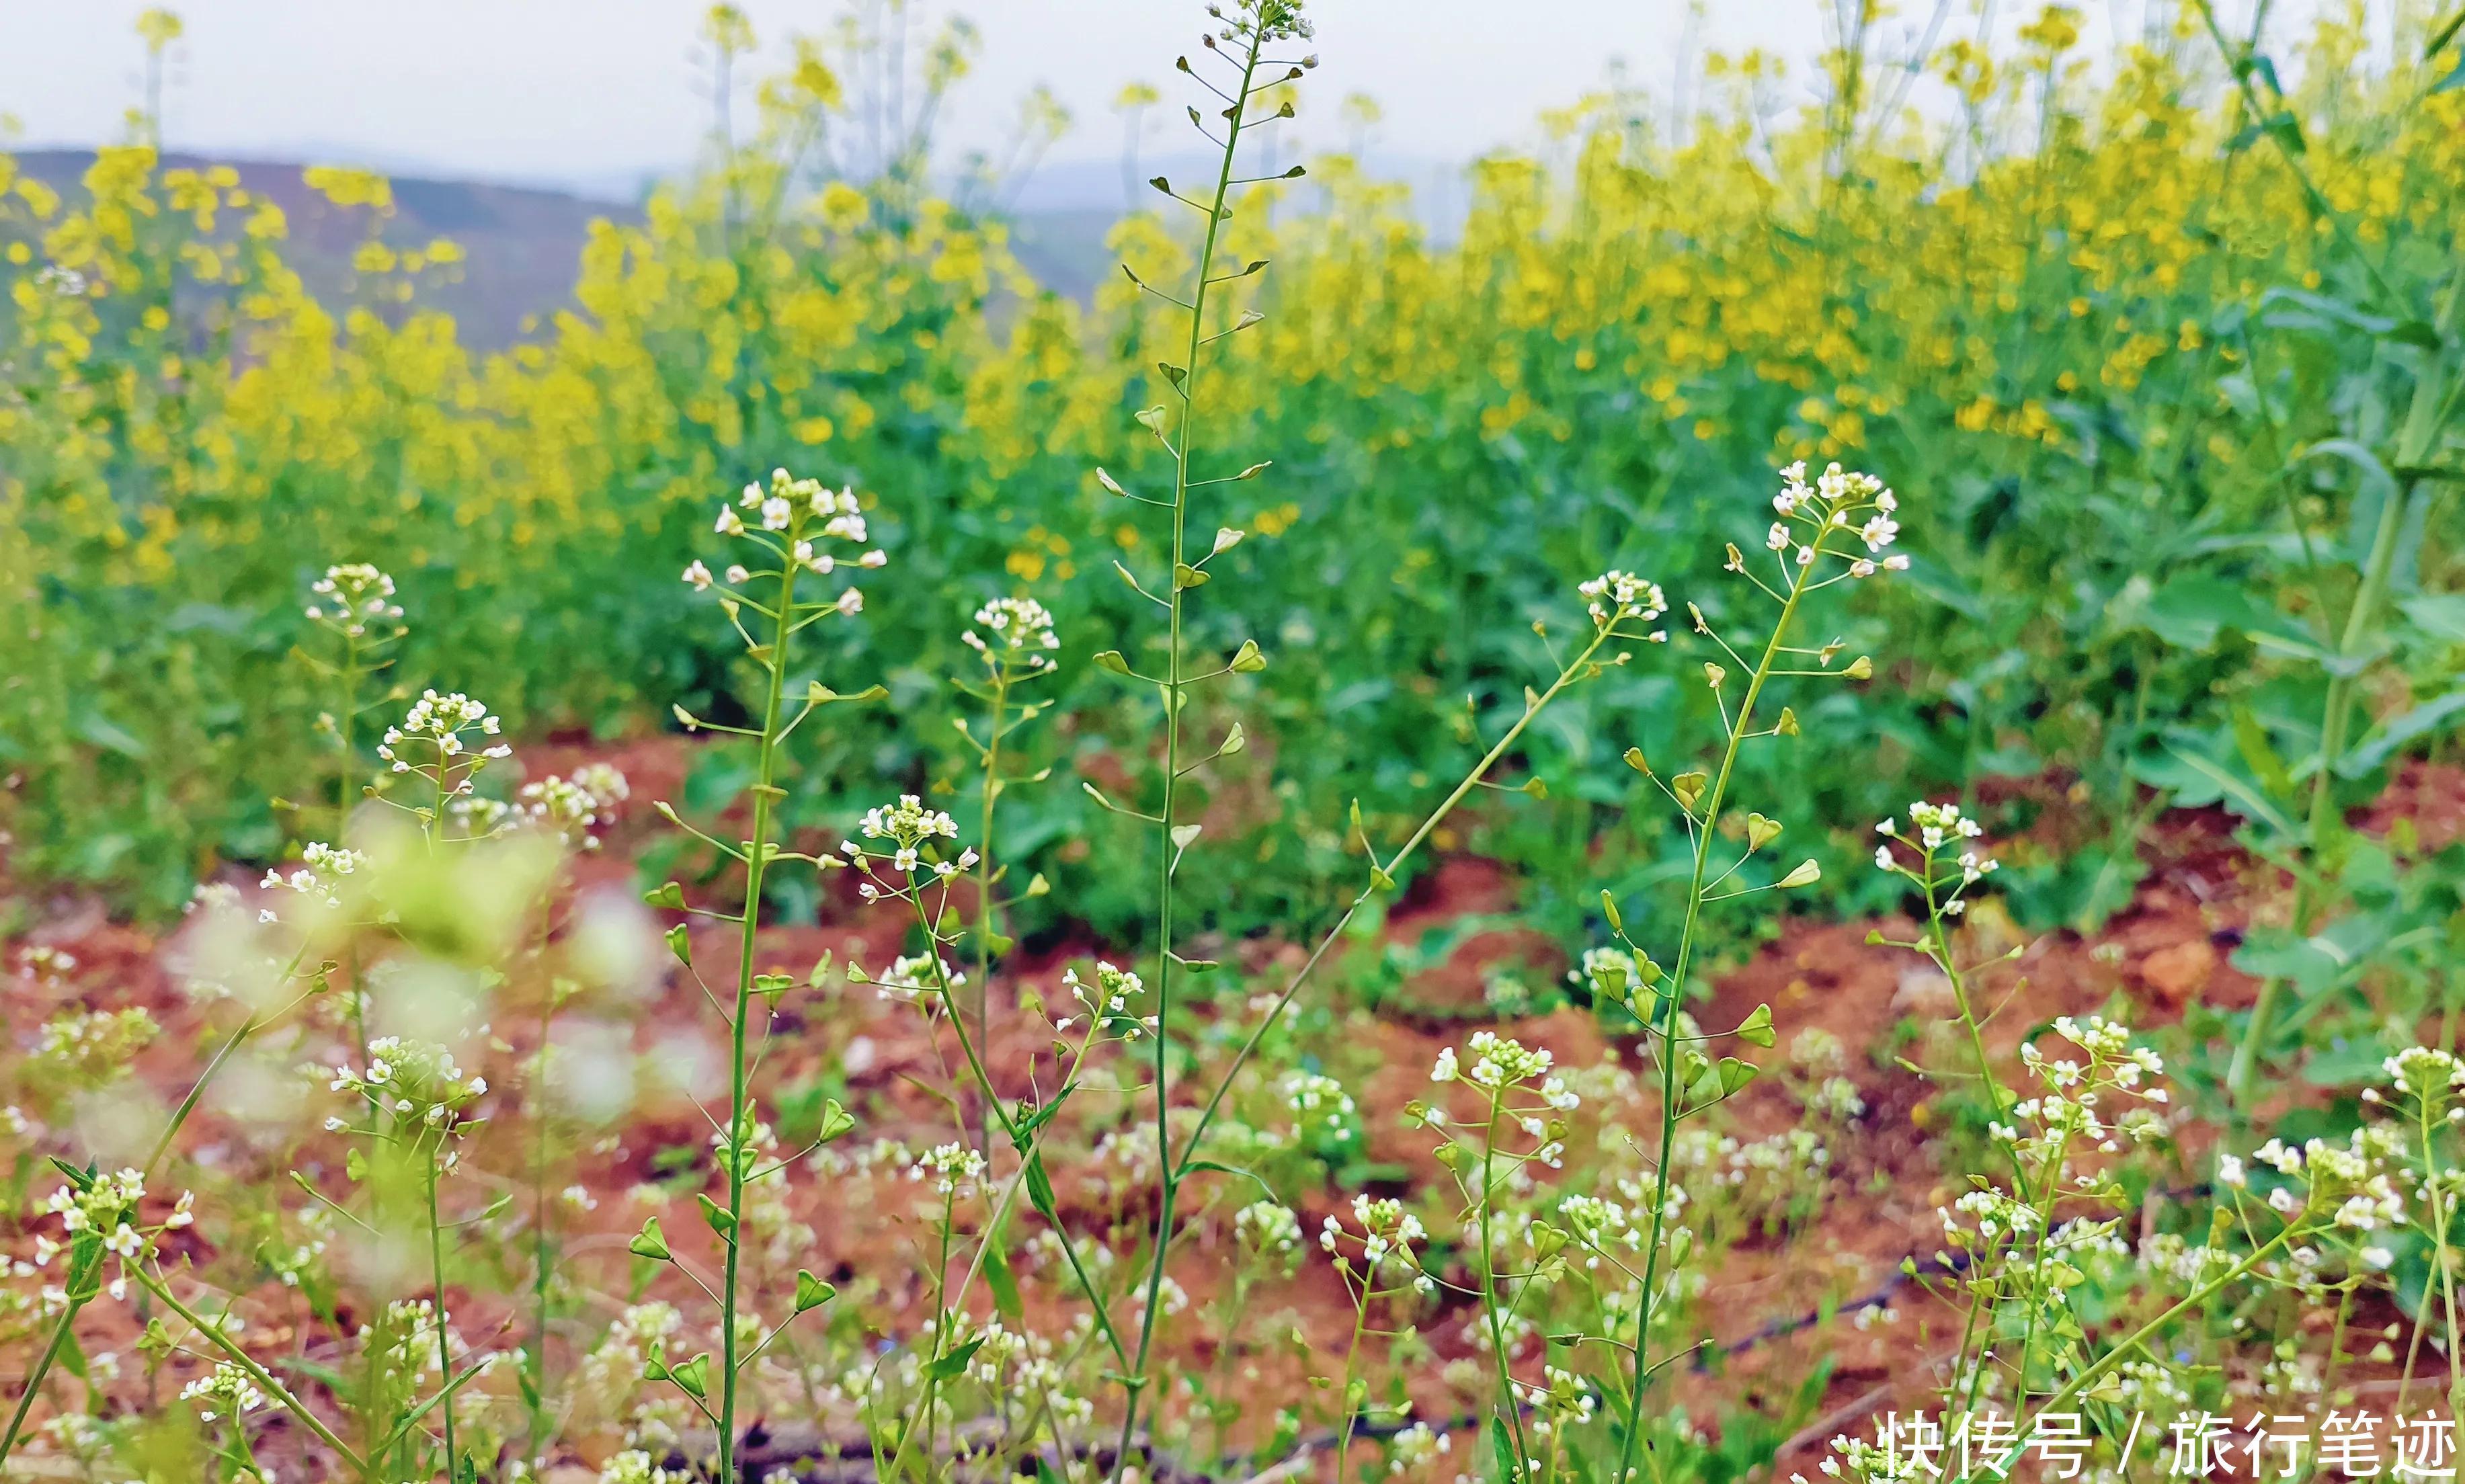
(591, 90)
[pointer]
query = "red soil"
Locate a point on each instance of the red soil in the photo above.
(2167, 949)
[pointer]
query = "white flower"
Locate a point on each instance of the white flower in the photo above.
(349, 595)
(953, 1169)
(228, 1393)
(1022, 629)
(697, 577)
(1616, 596)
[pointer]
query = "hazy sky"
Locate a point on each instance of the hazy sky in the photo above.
(591, 90)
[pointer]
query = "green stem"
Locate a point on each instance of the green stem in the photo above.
(255, 1373)
(444, 1334)
(1489, 1287)
(42, 1369)
(1675, 988)
(986, 911)
(734, 1145)
(1351, 1363)
(1167, 1178)
(541, 1243)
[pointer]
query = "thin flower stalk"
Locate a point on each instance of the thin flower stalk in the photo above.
(1819, 523)
(793, 522)
(1249, 28)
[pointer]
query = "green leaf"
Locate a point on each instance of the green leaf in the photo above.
(96, 729)
(2192, 612)
(1002, 1281)
(942, 1368)
(2439, 614)
(2397, 732)
(1509, 1467)
(1039, 1189)
(2443, 34)
(2251, 741)
(2195, 779)
(1221, 1169)
(2310, 965)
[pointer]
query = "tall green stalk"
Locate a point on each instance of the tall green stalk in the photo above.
(1840, 508)
(796, 518)
(1674, 992)
(736, 1143)
(444, 1331)
(1262, 22)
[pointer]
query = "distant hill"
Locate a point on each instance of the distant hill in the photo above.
(523, 244)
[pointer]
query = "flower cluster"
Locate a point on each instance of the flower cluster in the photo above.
(228, 1393)
(1500, 1062)
(2425, 1073)
(1614, 597)
(102, 1209)
(918, 979)
(1564, 1399)
(2047, 1135)
(1022, 634)
(1614, 974)
(91, 1047)
(350, 598)
(1385, 1242)
(318, 878)
(1107, 1000)
(1416, 1447)
(791, 516)
(633, 1466)
(953, 1168)
(1946, 865)
(574, 806)
(105, 1205)
(440, 738)
(1317, 1098)
(2349, 1181)
(1272, 20)
(1601, 1224)
(413, 1085)
(1267, 1229)
(910, 830)
(1838, 500)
